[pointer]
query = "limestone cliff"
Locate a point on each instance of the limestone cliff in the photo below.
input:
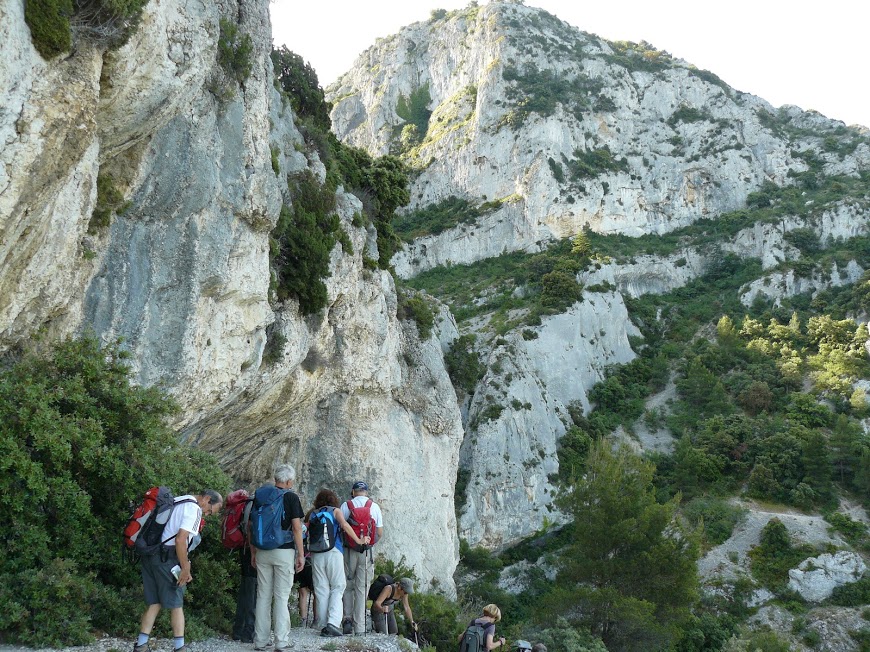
(200, 162)
(548, 131)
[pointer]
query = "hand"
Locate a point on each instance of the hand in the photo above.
(414, 626)
(501, 641)
(185, 577)
(363, 547)
(300, 563)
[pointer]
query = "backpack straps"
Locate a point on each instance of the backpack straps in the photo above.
(175, 504)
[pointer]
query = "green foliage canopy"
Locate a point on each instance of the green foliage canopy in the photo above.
(79, 444)
(630, 565)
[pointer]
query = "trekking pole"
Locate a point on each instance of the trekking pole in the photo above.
(366, 575)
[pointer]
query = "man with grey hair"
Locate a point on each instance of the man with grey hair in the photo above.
(275, 531)
(166, 574)
(366, 519)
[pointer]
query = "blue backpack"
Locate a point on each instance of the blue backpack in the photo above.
(322, 530)
(266, 517)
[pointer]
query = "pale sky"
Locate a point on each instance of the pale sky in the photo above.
(811, 54)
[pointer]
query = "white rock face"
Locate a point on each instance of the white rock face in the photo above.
(182, 275)
(816, 578)
(509, 453)
(779, 285)
(682, 145)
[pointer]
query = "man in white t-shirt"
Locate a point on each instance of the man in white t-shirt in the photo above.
(163, 587)
(364, 516)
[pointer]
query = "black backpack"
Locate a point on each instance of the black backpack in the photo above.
(378, 585)
(321, 530)
(474, 638)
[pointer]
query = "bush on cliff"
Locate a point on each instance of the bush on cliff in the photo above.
(106, 22)
(79, 443)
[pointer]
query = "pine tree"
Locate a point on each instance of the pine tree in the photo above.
(629, 573)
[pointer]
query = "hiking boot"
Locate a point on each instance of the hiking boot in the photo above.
(141, 648)
(331, 630)
(183, 648)
(347, 626)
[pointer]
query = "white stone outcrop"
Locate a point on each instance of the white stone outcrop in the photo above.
(520, 410)
(816, 578)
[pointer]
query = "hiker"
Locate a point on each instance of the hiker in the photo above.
(305, 579)
(246, 599)
(383, 616)
(327, 560)
(276, 534)
(366, 519)
(234, 536)
(523, 646)
(166, 574)
(486, 626)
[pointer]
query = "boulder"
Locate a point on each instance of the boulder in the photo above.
(816, 578)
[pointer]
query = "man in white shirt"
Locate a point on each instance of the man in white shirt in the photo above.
(364, 516)
(163, 587)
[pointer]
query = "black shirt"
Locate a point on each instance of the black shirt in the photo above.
(292, 509)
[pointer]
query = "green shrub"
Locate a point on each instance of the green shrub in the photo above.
(109, 201)
(301, 242)
(105, 22)
(687, 114)
(234, 51)
(775, 555)
(48, 21)
(588, 164)
(276, 165)
(299, 82)
(438, 217)
(855, 594)
(718, 517)
(439, 620)
(463, 364)
(556, 169)
(79, 445)
(414, 109)
(418, 309)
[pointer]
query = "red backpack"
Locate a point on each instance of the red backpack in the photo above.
(361, 521)
(143, 534)
(237, 512)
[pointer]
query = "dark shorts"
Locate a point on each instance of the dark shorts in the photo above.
(305, 577)
(159, 583)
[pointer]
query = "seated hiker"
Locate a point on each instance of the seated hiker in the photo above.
(383, 617)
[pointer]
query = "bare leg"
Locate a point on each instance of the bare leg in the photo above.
(176, 619)
(149, 617)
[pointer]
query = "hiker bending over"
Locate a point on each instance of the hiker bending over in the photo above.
(327, 560)
(383, 616)
(484, 630)
(162, 587)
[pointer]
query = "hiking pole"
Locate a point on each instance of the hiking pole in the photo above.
(366, 576)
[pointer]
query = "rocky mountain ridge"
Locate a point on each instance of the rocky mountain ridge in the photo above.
(549, 131)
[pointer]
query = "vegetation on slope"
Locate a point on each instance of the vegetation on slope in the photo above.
(108, 22)
(79, 445)
(309, 227)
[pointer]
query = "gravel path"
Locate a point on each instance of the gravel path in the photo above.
(303, 640)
